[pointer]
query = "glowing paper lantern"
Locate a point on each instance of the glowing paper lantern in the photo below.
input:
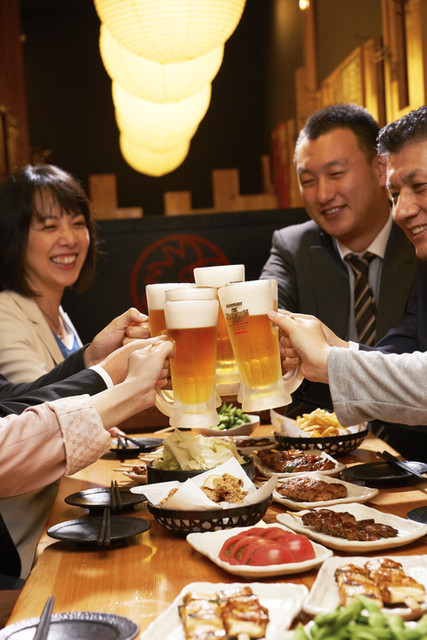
(156, 81)
(170, 30)
(158, 140)
(150, 162)
(167, 117)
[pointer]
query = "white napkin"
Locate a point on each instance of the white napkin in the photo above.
(190, 497)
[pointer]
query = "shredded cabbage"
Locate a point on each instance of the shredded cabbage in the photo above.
(186, 451)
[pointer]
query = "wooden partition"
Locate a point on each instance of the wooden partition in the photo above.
(166, 249)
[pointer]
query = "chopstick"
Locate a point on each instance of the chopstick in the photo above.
(135, 442)
(388, 457)
(121, 444)
(44, 622)
(104, 536)
(115, 497)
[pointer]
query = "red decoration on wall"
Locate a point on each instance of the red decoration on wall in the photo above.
(172, 259)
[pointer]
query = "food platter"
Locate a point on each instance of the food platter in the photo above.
(324, 595)
(209, 544)
(283, 601)
(268, 472)
(354, 494)
(407, 531)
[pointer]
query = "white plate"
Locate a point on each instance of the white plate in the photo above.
(244, 429)
(210, 543)
(283, 601)
(248, 444)
(354, 493)
(408, 531)
(324, 594)
(267, 472)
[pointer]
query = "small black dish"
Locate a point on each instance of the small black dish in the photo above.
(418, 515)
(165, 475)
(85, 530)
(380, 474)
(97, 499)
(132, 451)
(90, 625)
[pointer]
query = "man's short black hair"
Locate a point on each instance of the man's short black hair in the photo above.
(344, 115)
(410, 128)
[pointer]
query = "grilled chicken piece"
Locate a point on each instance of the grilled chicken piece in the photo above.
(344, 525)
(308, 490)
(354, 581)
(242, 613)
(294, 460)
(201, 617)
(394, 585)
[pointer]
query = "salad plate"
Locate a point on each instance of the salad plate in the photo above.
(283, 601)
(209, 544)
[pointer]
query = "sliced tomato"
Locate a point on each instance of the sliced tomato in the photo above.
(237, 552)
(228, 546)
(272, 533)
(270, 553)
(300, 547)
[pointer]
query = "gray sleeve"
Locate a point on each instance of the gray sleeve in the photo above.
(281, 266)
(368, 385)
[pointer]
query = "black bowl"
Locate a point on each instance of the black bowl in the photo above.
(165, 475)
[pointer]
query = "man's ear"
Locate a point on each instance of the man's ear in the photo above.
(380, 165)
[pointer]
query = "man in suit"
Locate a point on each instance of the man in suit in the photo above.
(342, 183)
(367, 384)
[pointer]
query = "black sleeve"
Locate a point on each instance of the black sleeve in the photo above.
(86, 381)
(72, 364)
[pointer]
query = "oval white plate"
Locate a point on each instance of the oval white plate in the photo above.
(354, 493)
(267, 472)
(210, 543)
(283, 601)
(408, 531)
(324, 595)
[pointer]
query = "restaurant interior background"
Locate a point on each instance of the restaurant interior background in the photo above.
(237, 183)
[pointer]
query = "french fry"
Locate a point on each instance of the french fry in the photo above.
(320, 424)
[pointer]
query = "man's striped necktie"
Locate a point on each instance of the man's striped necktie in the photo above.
(364, 302)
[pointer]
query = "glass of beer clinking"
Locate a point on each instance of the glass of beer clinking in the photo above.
(256, 345)
(227, 372)
(155, 294)
(191, 316)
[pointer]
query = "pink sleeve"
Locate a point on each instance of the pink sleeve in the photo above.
(47, 441)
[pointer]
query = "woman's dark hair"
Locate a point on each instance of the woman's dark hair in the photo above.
(17, 209)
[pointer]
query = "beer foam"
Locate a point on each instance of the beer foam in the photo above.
(188, 314)
(253, 297)
(220, 275)
(156, 292)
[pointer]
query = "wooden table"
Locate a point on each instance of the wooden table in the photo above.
(140, 578)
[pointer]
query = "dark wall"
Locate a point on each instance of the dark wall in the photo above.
(71, 111)
(166, 249)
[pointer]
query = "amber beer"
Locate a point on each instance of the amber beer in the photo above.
(255, 344)
(227, 373)
(155, 294)
(191, 316)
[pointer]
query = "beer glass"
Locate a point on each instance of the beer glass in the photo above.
(227, 372)
(256, 344)
(191, 316)
(155, 294)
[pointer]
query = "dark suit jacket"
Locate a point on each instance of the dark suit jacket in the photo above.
(312, 279)
(68, 378)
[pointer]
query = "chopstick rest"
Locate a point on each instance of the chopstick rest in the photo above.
(44, 622)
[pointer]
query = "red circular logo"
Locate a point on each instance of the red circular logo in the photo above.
(172, 259)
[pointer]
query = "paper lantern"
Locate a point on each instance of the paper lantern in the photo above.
(159, 140)
(156, 116)
(150, 162)
(170, 30)
(156, 81)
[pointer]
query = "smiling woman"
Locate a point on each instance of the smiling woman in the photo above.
(47, 244)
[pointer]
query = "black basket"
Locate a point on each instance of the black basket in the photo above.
(182, 523)
(333, 445)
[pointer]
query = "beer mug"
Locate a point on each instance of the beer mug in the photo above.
(256, 345)
(227, 372)
(155, 294)
(191, 316)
